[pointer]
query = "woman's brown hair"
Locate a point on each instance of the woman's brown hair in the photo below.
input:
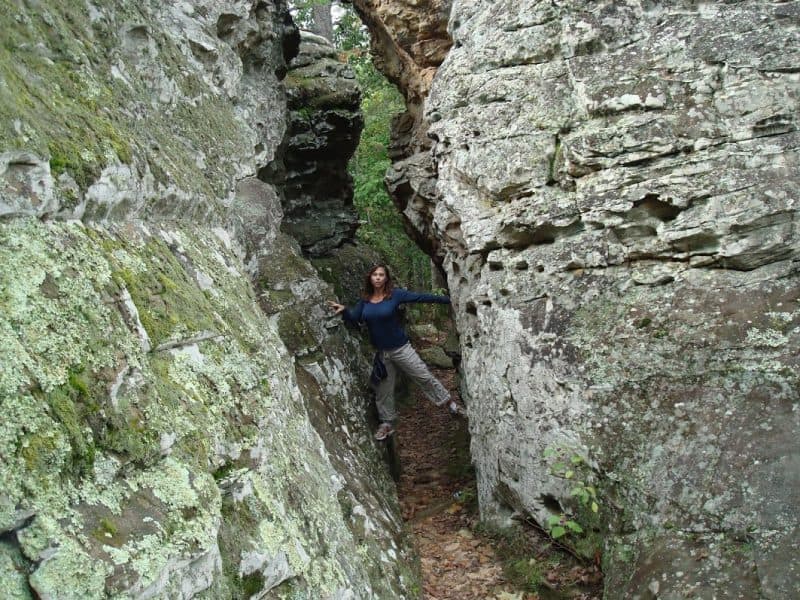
(367, 290)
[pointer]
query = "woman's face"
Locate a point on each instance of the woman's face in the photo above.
(378, 278)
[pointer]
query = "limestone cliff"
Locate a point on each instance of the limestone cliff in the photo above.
(613, 189)
(169, 428)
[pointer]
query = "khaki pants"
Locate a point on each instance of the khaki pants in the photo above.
(408, 361)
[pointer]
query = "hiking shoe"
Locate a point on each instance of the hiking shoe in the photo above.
(456, 409)
(384, 431)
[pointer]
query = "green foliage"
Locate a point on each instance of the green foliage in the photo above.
(526, 573)
(517, 551)
(349, 33)
(302, 11)
(382, 226)
(252, 584)
(568, 464)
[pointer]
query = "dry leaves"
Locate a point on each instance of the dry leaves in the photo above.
(456, 563)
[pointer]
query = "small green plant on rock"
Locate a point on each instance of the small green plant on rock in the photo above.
(574, 529)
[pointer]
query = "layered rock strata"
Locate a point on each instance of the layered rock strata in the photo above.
(170, 429)
(324, 127)
(616, 205)
(409, 42)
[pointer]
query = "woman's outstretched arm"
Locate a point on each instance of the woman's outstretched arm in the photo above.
(406, 296)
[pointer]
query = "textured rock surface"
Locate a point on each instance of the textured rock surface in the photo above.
(617, 211)
(170, 429)
(156, 434)
(324, 127)
(409, 41)
(150, 117)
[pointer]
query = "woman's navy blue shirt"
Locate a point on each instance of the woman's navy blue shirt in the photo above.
(382, 319)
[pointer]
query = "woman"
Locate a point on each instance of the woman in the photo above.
(378, 307)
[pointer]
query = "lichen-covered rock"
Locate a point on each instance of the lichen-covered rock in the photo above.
(171, 430)
(13, 576)
(189, 466)
(616, 207)
(344, 269)
(136, 109)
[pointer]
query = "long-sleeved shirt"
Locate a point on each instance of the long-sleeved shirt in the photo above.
(382, 319)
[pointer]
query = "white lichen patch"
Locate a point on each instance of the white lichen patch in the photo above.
(766, 337)
(178, 535)
(13, 578)
(34, 451)
(48, 309)
(70, 568)
(129, 261)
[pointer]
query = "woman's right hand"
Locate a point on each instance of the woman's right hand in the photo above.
(337, 308)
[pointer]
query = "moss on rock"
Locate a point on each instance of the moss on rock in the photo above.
(134, 459)
(74, 87)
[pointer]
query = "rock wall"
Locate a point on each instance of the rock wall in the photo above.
(409, 42)
(171, 429)
(615, 200)
(324, 128)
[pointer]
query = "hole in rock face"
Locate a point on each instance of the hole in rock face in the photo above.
(551, 503)
(516, 236)
(471, 308)
(654, 207)
(495, 266)
(543, 235)
(504, 292)
(633, 232)
(521, 266)
(225, 24)
(540, 268)
(486, 302)
(138, 33)
(781, 123)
